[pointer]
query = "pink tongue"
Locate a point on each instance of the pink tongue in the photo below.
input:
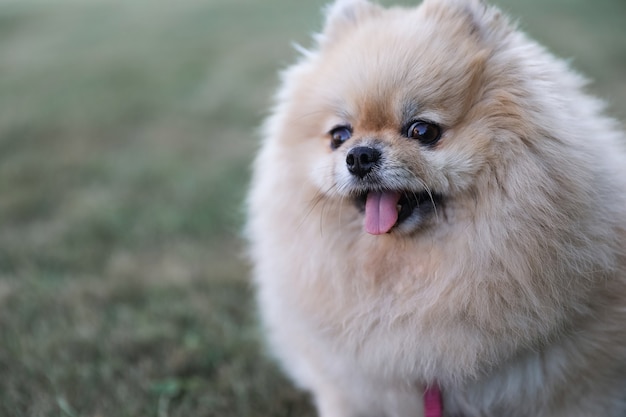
(381, 211)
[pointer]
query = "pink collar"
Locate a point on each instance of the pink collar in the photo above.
(433, 403)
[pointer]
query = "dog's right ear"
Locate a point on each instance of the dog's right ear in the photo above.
(344, 15)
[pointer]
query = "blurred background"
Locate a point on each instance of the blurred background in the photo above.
(126, 133)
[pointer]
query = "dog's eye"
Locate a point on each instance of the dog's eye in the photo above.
(338, 135)
(426, 133)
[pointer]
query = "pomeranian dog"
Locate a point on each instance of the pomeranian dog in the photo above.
(437, 221)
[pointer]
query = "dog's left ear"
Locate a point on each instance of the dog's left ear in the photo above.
(472, 16)
(343, 15)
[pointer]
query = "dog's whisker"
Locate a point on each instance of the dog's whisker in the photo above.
(430, 195)
(312, 205)
(320, 197)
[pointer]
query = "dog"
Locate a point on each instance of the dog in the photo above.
(437, 221)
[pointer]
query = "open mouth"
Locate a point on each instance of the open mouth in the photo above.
(387, 209)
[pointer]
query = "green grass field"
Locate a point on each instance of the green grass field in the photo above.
(126, 132)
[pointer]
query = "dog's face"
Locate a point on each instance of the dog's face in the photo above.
(392, 114)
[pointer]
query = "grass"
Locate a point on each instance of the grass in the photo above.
(126, 132)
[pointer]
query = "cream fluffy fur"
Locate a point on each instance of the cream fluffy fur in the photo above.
(511, 293)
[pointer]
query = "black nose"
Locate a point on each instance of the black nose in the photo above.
(361, 159)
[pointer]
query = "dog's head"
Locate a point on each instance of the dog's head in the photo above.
(413, 114)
